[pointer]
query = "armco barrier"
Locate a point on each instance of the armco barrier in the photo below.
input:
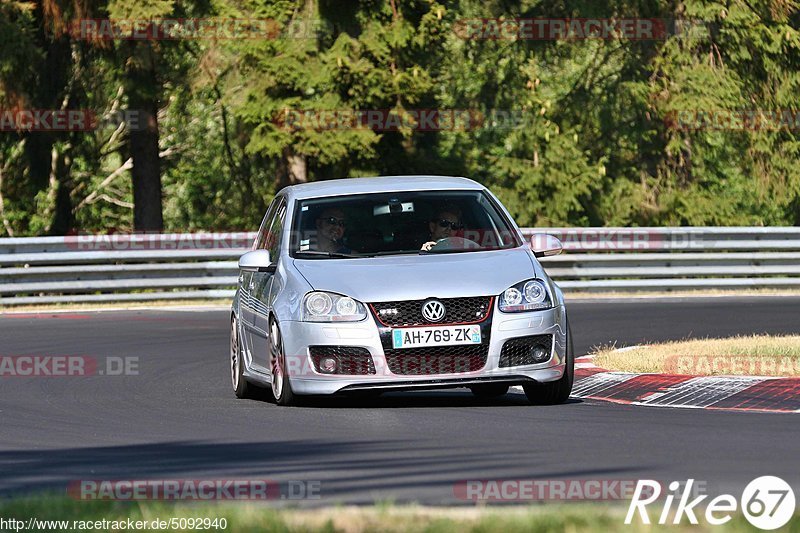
(140, 267)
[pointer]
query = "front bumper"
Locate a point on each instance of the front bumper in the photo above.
(305, 379)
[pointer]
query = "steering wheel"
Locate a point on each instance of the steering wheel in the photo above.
(455, 243)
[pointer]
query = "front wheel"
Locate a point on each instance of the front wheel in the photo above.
(281, 386)
(241, 388)
(554, 392)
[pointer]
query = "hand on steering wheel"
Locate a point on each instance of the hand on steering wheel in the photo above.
(451, 243)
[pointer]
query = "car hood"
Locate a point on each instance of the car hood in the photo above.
(416, 277)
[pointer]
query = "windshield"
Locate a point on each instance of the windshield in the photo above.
(368, 225)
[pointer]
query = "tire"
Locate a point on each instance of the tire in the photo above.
(241, 388)
(489, 390)
(554, 392)
(281, 385)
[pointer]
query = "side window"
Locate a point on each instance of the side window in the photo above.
(265, 224)
(275, 232)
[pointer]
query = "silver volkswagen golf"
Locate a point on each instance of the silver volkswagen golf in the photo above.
(397, 283)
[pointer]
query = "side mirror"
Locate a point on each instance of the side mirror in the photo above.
(544, 245)
(256, 261)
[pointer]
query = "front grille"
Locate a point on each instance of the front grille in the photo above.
(517, 352)
(350, 360)
(409, 312)
(437, 360)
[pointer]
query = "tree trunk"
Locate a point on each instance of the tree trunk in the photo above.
(48, 93)
(38, 147)
(146, 171)
(292, 168)
(144, 91)
(62, 212)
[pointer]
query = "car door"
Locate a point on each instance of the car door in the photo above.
(247, 301)
(261, 283)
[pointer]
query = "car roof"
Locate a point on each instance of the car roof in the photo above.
(346, 186)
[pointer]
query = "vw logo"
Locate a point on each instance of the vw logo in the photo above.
(433, 310)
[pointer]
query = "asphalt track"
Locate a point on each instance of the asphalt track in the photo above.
(178, 418)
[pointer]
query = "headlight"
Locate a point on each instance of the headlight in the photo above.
(526, 296)
(321, 306)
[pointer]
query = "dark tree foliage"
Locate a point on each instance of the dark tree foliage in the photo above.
(696, 126)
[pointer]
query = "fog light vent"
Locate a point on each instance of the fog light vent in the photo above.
(530, 350)
(342, 360)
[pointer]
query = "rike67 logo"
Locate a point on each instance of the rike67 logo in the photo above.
(767, 503)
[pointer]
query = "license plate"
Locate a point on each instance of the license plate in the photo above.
(435, 336)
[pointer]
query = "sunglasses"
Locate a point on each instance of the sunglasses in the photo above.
(444, 223)
(333, 221)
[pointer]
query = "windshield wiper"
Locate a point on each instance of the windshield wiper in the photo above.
(449, 251)
(464, 250)
(320, 253)
(397, 252)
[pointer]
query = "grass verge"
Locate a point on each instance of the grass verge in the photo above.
(241, 517)
(755, 355)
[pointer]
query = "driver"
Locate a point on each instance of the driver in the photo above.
(443, 226)
(330, 231)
